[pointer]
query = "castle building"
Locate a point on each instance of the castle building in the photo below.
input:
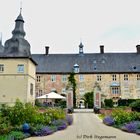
(117, 74)
(17, 68)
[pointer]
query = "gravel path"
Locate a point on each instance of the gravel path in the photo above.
(87, 126)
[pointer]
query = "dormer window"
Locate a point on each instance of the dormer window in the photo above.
(134, 68)
(94, 68)
(76, 68)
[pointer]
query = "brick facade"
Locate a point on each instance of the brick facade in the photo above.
(113, 86)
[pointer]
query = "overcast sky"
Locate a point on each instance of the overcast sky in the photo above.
(61, 24)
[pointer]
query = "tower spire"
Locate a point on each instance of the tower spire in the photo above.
(20, 6)
(81, 48)
(19, 26)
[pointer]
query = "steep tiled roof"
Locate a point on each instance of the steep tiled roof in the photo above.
(88, 63)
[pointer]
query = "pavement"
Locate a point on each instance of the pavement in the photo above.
(87, 126)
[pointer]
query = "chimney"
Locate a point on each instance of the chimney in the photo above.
(102, 49)
(46, 50)
(138, 49)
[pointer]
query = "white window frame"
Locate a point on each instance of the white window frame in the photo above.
(115, 90)
(81, 77)
(64, 78)
(38, 78)
(114, 77)
(99, 77)
(40, 92)
(126, 77)
(53, 78)
(20, 68)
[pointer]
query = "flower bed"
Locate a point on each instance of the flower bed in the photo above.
(108, 111)
(131, 127)
(108, 121)
(125, 120)
(22, 121)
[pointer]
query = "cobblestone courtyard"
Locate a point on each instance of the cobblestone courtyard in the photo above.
(87, 126)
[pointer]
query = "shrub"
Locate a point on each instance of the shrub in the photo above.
(125, 102)
(135, 106)
(37, 103)
(69, 119)
(36, 128)
(120, 116)
(17, 135)
(60, 124)
(55, 113)
(61, 104)
(31, 113)
(88, 98)
(20, 113)
(102, 116)
(4, 110)
(108, 102)
(16, 113)
(135, 115)
(54, 128)
(5, 137)
(5, 126)
(131, 127)
(108, 120)
(46, 131)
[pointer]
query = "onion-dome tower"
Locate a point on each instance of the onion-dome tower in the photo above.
(17, 46)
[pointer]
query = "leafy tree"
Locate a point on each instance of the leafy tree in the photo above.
(88, 98)
(72, 83)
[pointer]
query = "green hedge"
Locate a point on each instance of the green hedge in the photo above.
(108, 102)
(135, 106)
(126, 102)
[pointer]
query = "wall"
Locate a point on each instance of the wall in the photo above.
(128, 89)
(13, 84)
